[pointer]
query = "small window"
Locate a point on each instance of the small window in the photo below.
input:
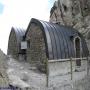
(28, 43)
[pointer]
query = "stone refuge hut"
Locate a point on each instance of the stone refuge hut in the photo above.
(14, 43)
(48, 41)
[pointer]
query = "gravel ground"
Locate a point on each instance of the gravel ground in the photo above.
(22, 75)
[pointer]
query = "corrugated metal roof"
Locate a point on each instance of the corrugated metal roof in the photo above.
(57, 38)
(18, 36)
(19, 33)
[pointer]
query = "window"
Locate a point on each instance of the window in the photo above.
(28, 43)
(23, 45)
(77, 43)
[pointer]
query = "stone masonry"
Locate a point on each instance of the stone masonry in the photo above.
(36, 53)
(13, 46)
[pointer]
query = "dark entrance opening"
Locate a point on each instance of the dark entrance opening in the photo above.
(78, 51)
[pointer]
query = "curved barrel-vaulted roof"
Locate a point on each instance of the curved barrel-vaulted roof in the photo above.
(58, 40)
(19, 33)
(15, 38)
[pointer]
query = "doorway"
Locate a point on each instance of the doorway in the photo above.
(78, 50)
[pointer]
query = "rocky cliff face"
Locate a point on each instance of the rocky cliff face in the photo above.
(75, 13)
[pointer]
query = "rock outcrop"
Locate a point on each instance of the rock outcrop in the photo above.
(3, 69)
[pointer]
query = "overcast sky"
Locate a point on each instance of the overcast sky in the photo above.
(18, 13)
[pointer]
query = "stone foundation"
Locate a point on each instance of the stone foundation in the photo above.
(62, 68)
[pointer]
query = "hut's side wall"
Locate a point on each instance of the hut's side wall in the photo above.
(13, 46)
(63, 68)
(36, 53)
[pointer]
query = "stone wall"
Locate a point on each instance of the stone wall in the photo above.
(62, 71)
(36, 51)
(13, 46)
(82, 84)
(61, 68)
